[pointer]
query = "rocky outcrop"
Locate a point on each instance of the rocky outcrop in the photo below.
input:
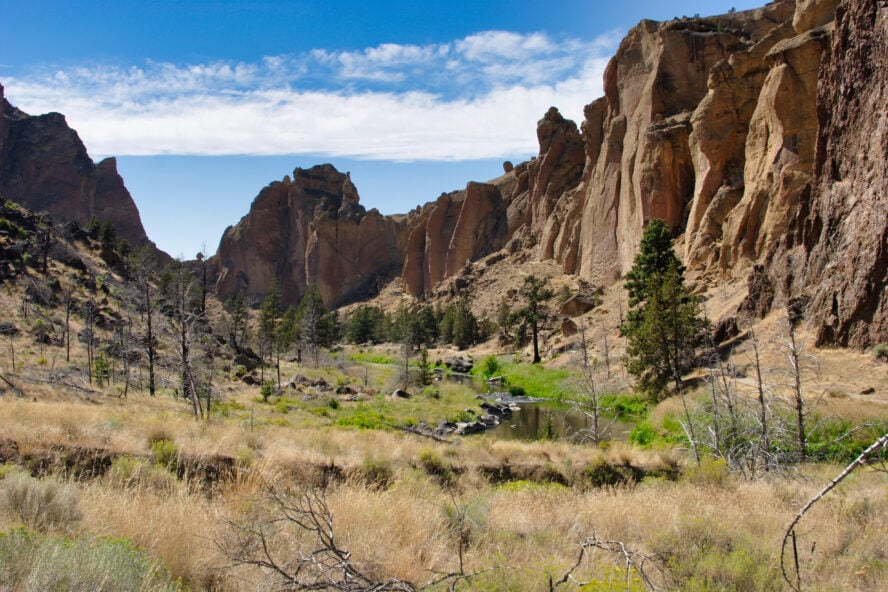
(45, 167)
(309, 230)
(763, 163)
(847, 231)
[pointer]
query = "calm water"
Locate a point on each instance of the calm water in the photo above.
(530, 423)
(533, 419)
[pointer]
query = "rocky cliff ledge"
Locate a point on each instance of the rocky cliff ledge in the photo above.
(45, 167)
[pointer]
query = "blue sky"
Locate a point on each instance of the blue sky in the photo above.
(206, 102)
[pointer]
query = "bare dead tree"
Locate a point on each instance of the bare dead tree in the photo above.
(798, 363)
(321, 563)
(590, 404)
(880, 445)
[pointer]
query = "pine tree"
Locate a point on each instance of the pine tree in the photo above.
(269, 328)
(664, 327)
(536, 292)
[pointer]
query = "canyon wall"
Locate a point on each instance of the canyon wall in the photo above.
(758, 136)
(45, 167)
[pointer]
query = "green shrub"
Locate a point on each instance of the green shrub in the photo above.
(643, 434)
(365, 419)
(624, 405)
(127, 471)
(376, 473)
(711, 471)
(490, 366)
(841, 441)
(433, 465)
(517, 391)
(245, 456)
(880, 352)
(165, 454)
(42, 504)
(29, 561)
(702, 555)
(431, 392)
(333, 403)
(267, 390)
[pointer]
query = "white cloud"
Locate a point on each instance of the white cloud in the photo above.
(478, 97)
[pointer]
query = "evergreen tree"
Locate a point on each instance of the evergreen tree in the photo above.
(536, 292)
(269, 328)
(664, 327)
(315, 329)
(655, 257)
(365, 325)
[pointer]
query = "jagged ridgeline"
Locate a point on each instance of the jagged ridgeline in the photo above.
(758, 136)
(725, 127)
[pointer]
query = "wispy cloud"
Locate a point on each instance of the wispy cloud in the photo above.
(477, 97)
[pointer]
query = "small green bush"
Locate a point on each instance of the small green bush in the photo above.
(267, 391)
(165, 453)
(643, 434)
(517, 391)
(29, 561)
(490, 366)
(365, 419)
(376, 473)
(245, 456)
(711, 471)
(433, 465)
(41, 504)
(127, 471)
(624, 405)
(702, 555)
(880, 352)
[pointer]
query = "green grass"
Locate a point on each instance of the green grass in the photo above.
(371, 357)
(539, 381)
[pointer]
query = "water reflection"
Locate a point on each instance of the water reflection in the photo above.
(534, 421)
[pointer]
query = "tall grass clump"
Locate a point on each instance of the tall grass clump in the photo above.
(29, 561)
(43, 505)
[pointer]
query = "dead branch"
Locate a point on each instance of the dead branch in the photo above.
(634, 560)
(881, 443)
(324, 565)
(14, 388)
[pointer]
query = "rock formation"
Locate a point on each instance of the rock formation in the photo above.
(45, 167)
(847, 232)
(758, 136)
(309, 230)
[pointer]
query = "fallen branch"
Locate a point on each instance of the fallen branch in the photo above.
(881, 443)
(14, 388)
(633, 560)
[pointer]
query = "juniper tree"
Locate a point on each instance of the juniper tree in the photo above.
(664, 327)
(536, 292)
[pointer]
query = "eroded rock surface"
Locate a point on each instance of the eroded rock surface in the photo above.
(45, 167)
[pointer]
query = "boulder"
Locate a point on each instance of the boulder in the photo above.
(462, 364)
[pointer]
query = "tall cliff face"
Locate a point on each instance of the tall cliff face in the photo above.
(309, 230)
(726, 127)
(847, 264)
(45, 166)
